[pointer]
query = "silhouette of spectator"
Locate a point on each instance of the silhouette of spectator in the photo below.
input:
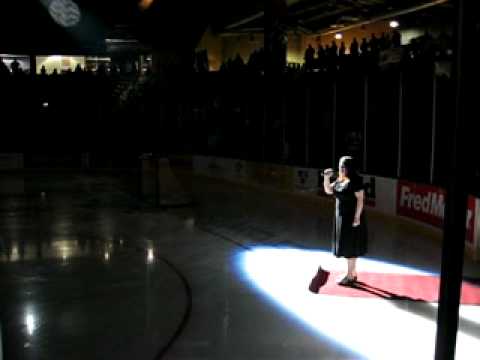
(237, 64)
(223, 67)
(253, 61)
(374, 44)
(15, 66)
(444, 44)
(78, 69)
(414, 49)
(384, 42)
(354, 47)
(320, 57)
(309, 57)
(428, 46)
(258, 60)
(196, 61)
(43, 71)
(261, 58)
(342, 50)
(114, 70)
(320, 51)
(102, 70)
(204, 60)
(230, 65)
(328, 56)
(334, 49)
(4, 72)
(396, 39)
(364, 47)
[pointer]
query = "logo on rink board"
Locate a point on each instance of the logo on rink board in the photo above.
(302, 176)
(306, 179)
(427, 203)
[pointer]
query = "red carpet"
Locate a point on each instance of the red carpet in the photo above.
(397, 287)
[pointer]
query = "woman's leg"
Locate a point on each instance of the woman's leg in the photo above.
(352, 268)
(351, 276)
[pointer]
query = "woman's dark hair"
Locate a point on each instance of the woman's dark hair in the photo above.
(350, 165)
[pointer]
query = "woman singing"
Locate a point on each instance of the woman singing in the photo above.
(350, 230)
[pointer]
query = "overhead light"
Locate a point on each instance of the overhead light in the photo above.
(150, 256)
(65, 12)
(145, 4)
(339, 36)
(394, 24)
(30, 323)
(121, 41)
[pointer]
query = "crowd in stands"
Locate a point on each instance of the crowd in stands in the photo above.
(255, 63)
(368, 54)
(55, 89)
(60, 101)
(88, 98)
(360, 55)
(102, 70)
(200, 62)
(331, 56)
(15, 69)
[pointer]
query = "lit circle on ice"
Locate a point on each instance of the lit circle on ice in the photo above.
(65, 12)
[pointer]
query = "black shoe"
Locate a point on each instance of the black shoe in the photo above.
(347, 281)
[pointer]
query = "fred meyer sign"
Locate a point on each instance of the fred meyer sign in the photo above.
(427, 203)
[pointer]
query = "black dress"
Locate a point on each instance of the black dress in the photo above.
(348, 241)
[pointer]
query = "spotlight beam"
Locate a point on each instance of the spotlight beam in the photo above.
(379, 323)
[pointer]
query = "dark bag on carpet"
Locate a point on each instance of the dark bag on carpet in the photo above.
(318, 280)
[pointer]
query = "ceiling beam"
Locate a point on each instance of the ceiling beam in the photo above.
(246, 31)
(384, 17)
(304, 8)
(245, 20)
(326, 14)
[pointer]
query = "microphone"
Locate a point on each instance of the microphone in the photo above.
(327, 172)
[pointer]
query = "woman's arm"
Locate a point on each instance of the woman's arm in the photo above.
(360, 195)
(327, 185)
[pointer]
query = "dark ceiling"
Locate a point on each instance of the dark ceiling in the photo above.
(318, 16)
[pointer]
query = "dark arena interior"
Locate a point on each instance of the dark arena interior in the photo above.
(165, 190)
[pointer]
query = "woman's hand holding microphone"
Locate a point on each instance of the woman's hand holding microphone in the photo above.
(356, 221)
(328, 173)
